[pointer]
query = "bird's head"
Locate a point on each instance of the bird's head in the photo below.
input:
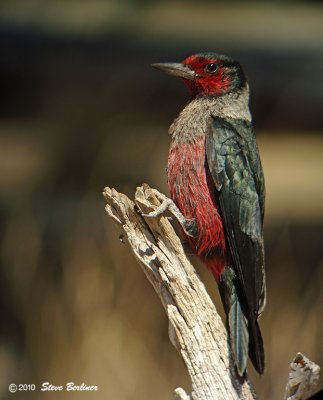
(207, 74)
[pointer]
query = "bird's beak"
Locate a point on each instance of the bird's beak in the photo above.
(176, 69)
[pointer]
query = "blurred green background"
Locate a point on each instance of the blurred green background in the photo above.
(81, 109)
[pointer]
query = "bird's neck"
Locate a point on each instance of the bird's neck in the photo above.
(194, 119)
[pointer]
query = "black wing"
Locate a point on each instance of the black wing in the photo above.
(234, 164)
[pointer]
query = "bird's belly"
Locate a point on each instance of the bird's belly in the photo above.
(192, 190)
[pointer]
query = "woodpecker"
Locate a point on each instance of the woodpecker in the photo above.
(216, 180)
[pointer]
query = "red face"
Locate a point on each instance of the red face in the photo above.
(212, 76)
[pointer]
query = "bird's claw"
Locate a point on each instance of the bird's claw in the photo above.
(188, 225)
(166, 202)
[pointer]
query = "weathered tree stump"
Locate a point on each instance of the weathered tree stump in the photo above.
(195, 328)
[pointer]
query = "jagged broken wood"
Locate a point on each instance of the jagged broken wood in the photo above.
(303, 378)
(195, 328)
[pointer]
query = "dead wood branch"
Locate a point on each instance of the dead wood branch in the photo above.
(303, 378)
(195, 328)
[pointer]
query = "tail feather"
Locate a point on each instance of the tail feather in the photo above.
(239, 336)
(256, 348)
(244, 332)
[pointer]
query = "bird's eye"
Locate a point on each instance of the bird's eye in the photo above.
(211, 68)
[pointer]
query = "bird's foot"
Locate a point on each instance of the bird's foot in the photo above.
(167, 204)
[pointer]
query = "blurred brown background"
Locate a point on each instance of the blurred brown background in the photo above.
(81, 109)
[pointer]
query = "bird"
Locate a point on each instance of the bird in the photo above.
(216, 180)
